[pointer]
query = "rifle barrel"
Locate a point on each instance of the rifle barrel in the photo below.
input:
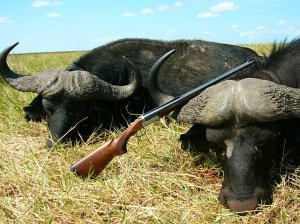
(166, 108)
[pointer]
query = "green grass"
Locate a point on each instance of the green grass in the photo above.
(261, 49)
(155, 182)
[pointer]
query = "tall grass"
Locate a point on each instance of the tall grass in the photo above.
(261, 49)
(155, 182)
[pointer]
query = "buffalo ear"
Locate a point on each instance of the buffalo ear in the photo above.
(291, 131)
(194, 140)
(266, 75)
(35, 111)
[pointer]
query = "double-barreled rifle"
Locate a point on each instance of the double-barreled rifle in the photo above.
(95, 162)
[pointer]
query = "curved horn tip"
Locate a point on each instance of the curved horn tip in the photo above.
(15, 44)
(11, 47)
(172, 51)
(156, 66)
(6, 51)
(151, 83)
(10, 76)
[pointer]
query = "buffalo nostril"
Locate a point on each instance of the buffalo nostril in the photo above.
(244, 205)
(223, 200)
(50, 143)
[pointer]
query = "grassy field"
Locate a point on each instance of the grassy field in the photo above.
(155, 182)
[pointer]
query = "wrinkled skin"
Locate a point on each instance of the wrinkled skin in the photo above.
(249, 150)
(193, 63)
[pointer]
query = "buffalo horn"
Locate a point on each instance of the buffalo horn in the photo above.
(75, 84)
(157, 95)
(247, 100)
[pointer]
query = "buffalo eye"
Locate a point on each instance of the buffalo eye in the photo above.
(258, 151)
(48, 106)
(217, 135)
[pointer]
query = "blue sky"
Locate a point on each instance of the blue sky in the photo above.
(58, 25)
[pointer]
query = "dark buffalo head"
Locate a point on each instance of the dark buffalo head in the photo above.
(245, 120)
(66, 97)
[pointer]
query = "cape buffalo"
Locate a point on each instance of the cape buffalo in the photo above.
(251, 121)
(102, 90)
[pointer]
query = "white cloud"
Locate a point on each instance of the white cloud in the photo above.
(208, 34)
(281, 22)
(249, 34)
(4, 19)
(257, 34)
(41, 3)
(215, 10)
(53, 14)
(146, 11)
(163, 8)
(206, 15)
(128, 14)
(178, 4)
(56, 2)
(223, 7)
(171, 30)
(235, 26)
(149, 11)
(260, 27)
(259, 30)
(253, 34)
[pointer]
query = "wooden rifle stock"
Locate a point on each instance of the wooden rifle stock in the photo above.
(95, 162)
